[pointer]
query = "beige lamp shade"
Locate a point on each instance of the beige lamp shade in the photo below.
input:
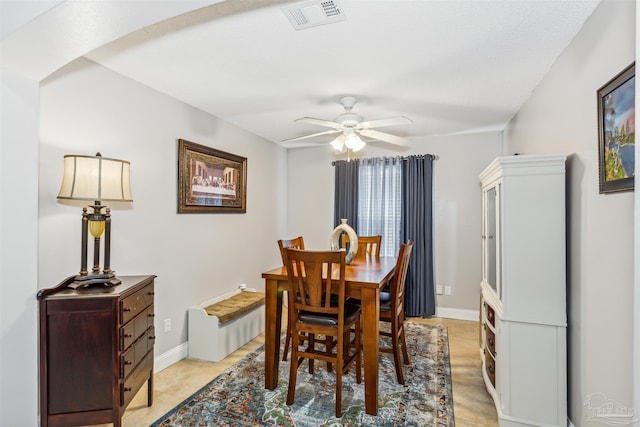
(95, 178)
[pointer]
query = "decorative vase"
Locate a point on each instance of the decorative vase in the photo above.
(353, 240)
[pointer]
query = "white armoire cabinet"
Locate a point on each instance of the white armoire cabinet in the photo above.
(523, 289)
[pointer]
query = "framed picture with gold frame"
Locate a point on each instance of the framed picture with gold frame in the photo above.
(616, 132)
(210, 180)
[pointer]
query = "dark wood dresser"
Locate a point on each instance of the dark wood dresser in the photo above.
(96, 350)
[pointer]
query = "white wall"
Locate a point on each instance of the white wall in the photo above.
(561, 116)
(85, 108)
(456, 206)
(18, 246)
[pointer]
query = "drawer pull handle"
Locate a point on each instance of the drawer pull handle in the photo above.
(490, 341)
(128, 362)
(152, 315)
(128, 335)
(490, 369)
(127, 309)
(152, 337)
(151, 293)
(127, 389)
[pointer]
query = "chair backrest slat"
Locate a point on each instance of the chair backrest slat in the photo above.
(367, 245)
(399, 277)
(297, 242)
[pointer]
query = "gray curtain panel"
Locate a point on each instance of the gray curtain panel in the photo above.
(346, 192)
(417, 224)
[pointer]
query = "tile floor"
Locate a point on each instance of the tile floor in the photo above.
(473, 407)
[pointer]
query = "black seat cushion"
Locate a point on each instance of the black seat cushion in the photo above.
(385, 297)
(351, 312)
(385, 301)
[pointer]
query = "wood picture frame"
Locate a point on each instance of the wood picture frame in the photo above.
(616, 132)
(210, 180)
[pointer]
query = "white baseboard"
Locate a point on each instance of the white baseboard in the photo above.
(458, 313)
(569, 423)
(170, 357)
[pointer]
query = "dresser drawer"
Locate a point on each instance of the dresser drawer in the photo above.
(136, 327)
(491, 314)
(132, 305)
(131, 385)
(490, 341)
(490, 367)
(136, 353)
(127, 335)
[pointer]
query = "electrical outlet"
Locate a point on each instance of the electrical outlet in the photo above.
(439, 289)
(447, 290)
(167, 325)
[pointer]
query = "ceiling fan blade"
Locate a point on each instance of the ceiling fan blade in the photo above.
(320, 122)
(383, 136)
(299, 138)
(389, 121)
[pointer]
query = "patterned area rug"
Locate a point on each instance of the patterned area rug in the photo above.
(237, 398)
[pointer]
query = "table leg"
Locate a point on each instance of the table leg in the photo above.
(273, 327)
(370, 330)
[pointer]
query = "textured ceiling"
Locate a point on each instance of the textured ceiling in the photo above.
(450, 66)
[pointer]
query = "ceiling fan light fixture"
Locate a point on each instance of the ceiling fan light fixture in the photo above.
(338, 144)
(353, 142)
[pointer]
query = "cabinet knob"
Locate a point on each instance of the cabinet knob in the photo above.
(128, 362)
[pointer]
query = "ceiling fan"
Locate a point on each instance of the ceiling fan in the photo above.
(351, 126)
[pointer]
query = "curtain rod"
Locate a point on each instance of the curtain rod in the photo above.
(433, 157)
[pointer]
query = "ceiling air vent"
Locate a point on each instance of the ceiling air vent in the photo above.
(312, 14)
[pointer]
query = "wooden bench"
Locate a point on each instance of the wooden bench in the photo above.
(221, 325)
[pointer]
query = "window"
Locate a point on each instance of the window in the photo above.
(380, 201)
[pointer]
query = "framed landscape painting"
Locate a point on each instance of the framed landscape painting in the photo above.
(616, 132)
(210, 180)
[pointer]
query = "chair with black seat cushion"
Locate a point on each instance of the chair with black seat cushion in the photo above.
(392, 310)
(367, 245)
(318, 306)
(297, 243)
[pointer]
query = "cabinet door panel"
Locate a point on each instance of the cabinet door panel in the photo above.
(80, 361)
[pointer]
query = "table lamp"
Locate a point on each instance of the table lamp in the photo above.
(98, 179)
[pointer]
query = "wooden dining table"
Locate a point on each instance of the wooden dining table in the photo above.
(363, 280)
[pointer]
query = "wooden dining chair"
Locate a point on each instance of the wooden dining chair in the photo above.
(367, 245)
(392, 311)
(319, 306)
(297, 243)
